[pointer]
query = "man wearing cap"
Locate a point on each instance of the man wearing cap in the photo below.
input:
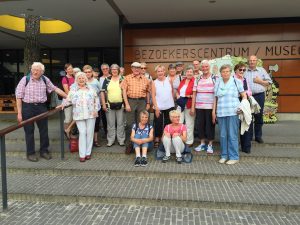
(179, 69)
(136, 96)
(258, 80)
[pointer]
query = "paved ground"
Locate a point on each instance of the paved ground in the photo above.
(27, 213)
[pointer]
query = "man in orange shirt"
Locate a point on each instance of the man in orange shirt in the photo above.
(136, 96)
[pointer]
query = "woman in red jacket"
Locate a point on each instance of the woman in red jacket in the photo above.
(184, 100)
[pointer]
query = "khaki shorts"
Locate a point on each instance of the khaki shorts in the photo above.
(68, 114)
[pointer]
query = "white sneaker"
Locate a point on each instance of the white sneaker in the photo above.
(200, 148)
(210, 149)
(231, 162)
(222, 160)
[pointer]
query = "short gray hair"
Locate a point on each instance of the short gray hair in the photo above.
(104, 64)
(204, 62)
(38, 65)
(226, 66)
(114, 66)
(80, 74)
(190, 67)
(76, 70)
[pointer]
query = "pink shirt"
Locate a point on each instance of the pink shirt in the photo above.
(248, 91)
(204, 93)
(172, 130)
(70, 79)
(35, 91)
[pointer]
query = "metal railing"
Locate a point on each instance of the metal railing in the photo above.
(12, 128)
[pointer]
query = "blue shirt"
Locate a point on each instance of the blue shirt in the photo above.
(228, 103)
(257, 72)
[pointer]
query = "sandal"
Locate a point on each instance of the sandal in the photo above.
(96, 144)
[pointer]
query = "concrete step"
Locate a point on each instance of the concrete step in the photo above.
(123, 167)
(20, 140)
(209, 194)
(21, 212)
(259, 153)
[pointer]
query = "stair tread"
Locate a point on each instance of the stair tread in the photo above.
(257, 151)
(106, 163)
(156, 189)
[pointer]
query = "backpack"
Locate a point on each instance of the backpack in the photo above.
(28, 79)
(44, 80)
(187, 155)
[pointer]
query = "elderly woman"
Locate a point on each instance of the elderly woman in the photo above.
(203, 100)
(85, 103)
(240, 70)
(226, 103)
(173, 77)
(112, 104)
(163, 102)
(67, 81)
(141, 136)
(184, 100)
(95, 84)
(174, 137)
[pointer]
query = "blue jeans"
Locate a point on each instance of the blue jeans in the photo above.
(229, 137)
(141, 136)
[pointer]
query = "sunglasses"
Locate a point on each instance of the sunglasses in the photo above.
(143, 68)
(244, 70)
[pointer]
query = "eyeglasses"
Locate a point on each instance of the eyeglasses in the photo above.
(105, 69)
(143, 68)
(242, 70)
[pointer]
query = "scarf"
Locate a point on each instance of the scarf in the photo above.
(223, 88)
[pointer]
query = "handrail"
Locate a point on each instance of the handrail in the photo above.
(12, 128)
(30, 120)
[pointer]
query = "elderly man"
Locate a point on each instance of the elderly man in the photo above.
(258, 80)
(136, 96)
(31, 95)
(180, 69)
(105, 74)
(197, 71)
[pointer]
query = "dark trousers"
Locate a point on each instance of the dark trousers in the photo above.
(258, 118)
(30, 110)
(205, 127)
(136, 105)
(161, 121)
(97, 122)
(246, 139)
(104, 121)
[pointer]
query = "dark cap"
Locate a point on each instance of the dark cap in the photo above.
(172, 66)
(179, 63)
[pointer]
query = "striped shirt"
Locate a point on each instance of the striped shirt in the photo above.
(228, 103)
(35, 90)
(136, 86)
(205, 93)
(257, 72)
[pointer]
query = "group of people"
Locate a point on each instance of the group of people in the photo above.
(185, 103)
